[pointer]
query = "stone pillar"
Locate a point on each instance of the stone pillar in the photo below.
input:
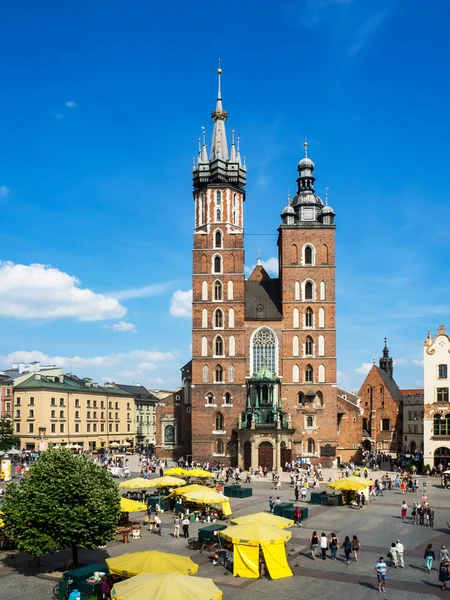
(254, 455)
(277, 454)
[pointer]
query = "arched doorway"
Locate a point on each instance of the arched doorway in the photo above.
(413, 447)
(265, 455)
(247, 456)
(442, 456)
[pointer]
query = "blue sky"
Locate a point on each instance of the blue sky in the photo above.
(100, 109)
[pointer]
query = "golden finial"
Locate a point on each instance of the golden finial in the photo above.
(326, 196)
(305, 145)
(219, 70)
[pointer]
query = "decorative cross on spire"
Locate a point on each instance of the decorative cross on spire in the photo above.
(219, 72)
(259, 256)
(326, 196)
(305, 145)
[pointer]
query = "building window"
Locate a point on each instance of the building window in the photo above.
(102, 427)
(218, 319)
(308, 255)
(296, 318)
(117, 427)
(309, 317)
(440, 426)
(53, 414)
(227, 398)
(308, 290)
(309, 421)
(295, 374)
(30, 428)
(61, 401)
(442, 394)
(17, 427)
(301, 398)
(52, 401)
(218, 239)
(385, 425)
(219, 447)
(17, 401)
(61, 414)
(169, 434)
(31, 413)
(219, 422)
(88, 427)
(110, 427)
(88, 414)
(210, 399)
(128, 427)
(310, 446)
(31, 403)
(309, 374)
(219, 198)
(219, 374)
(61, 428)
(77, 402)
(264, 350)
(442, 372)
(231, 318)
(53, 427)
(309, 346)
(218, 215)
(230, 290)
(218, 346)
(218, 290)
(217, 264)
(205, 373)
(88, 404)
(231, 373)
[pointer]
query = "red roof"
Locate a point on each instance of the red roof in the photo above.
(410, 392)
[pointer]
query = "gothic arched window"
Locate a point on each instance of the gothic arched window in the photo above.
(219, 447)
(309, 421)
(218, 319)
(219, 422)
(219, 198)
(231, 373)
(309, 374)
(210, 398)
(217, 290)
(308, 290)
(217, 264)
(227, 398)
(219, 374)
(264, 349)
(309, 346)
(309, 317)
(218, 215)
(169, 434)
(310, 446)
(308, 255)
(205, 374)
(301, 398)
(218, 346)
(218, 239)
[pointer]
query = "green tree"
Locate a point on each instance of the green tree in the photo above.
(66, 500)
(7, 438)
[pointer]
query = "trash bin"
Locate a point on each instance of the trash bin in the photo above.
(304, 512)
(245, 492)
(316, 497)
(278, 508)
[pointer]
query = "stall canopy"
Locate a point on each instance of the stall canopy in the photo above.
(265, 519)
(186, 489)
(166, 587)
(349, 485)
(166, 481)
(199, 473)
(137, 483)
(210, 497)
(247, 539)
(177, 472)
(127, 505)
(150, 561)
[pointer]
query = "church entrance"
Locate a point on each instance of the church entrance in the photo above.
(247, 456)
(285, 455)
(265, 455)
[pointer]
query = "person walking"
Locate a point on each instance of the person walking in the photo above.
(381, 569)
(296, 492)
(443, 553)
(347, 547)
(422, 515)
(159, 525)
(443, 572)
(324, 545)
(431, 516)
(185, 525)
(429, 556)
(415, 514)
(176, 527)
(400, 550)
(334, 545)
(356, 547)
(404, 510)
(297, 516)
(271, 503)
(313, 544)
(393, 555)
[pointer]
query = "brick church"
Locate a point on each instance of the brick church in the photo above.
(263, 376)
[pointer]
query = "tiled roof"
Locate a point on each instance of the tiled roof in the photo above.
(70, 384)
(411, 392)
(390, 384)
(139, 392)
(262, 300)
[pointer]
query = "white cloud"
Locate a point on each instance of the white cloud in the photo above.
(400, 361)
(270, 265)
(42, 292)
(59, 116)
(364, 368)
(142, 292)
(121, 326)
(419, 363)
(181, 304)
(71, 104)
(147, 366)
(4, 191)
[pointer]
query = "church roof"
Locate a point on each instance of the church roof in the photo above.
(262, 300)
(391, 385)
(259, 274)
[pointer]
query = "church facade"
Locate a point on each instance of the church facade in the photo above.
(263, 379)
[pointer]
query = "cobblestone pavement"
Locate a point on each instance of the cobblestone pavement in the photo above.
(377, 525)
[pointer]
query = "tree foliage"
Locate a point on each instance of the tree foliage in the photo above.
(7, 438)
(66, 500)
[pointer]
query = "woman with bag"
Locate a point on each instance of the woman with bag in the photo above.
(347, 546)
(443, 572)
(356, 546)
(314, 542)
(324, 545)
(393, 555)
(334, 545)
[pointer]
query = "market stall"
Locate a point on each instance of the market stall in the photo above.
(258, 550)
(150, 561)
(210, 498)
(264, 519)
(349, 486)
(166, 587)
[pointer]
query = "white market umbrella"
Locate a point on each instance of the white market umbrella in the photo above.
(77, 446)
(126, 444)
(114, 445)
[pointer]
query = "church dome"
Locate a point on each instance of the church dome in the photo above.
(327, 210)
(265, 374)
(288, 210)
(305, 163)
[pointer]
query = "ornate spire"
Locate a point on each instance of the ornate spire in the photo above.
(233, 157)
(386, 362)
(219, 147)
(204, 151)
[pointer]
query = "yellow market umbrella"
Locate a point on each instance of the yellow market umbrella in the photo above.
(253, 534)
(150, 561)
(186, 489)
(166, 481)
(177, 472)
(127, 505)
(348, 484)
(367, 482)
(137, 483)
(208, 496)
(264, 519)
(199, 473)
(166, 587)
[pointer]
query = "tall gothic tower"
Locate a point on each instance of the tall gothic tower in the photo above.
(218, 352)
(307, 285)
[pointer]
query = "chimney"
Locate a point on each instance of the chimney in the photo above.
(15, 366)
(61, 378)
(37, 376)
(21, 367)
(35, 366)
